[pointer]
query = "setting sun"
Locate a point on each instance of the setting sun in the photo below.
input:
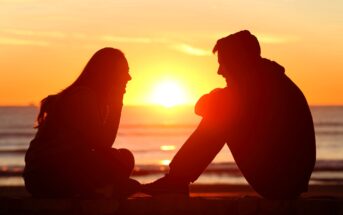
(168, 94)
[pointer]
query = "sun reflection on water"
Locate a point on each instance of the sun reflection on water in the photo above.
(167, 147)
(165, 162)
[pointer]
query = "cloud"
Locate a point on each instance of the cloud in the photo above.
(24, 37)
(31, 33)
(276, 39)
(188, 49)
(182, 47)
(21, 42)
(41, 38)
(144, 40)
(15, 1)
(79, 36)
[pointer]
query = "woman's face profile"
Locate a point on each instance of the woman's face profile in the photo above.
(122, 77)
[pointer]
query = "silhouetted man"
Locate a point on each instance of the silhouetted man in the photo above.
(261, 115)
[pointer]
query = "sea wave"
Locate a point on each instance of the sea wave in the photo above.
(214, 168)
(158, 126)
(329, 124)
(16, 134)
(329, 133)
(148, 132)
(192, 125)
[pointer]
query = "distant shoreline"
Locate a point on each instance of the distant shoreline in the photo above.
(157, 106)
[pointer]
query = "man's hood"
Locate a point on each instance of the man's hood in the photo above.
(268, 65)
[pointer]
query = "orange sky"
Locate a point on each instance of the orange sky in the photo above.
(44, 44)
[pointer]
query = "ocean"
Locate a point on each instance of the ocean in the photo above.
(154, 134)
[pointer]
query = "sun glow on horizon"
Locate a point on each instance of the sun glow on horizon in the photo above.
(168, 93)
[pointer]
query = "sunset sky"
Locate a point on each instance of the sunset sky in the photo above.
(44, 44)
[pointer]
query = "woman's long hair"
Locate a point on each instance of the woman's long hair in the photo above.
(96, 75)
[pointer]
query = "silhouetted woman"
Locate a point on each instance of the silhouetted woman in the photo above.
(72, 154)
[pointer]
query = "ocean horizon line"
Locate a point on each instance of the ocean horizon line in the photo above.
(157, 106)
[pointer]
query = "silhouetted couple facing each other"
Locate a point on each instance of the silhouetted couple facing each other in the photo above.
(261, 115)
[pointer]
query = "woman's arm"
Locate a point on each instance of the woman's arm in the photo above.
(111, 122)
(86, 120)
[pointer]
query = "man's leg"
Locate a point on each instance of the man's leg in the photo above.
(196, 153)
(189, 162)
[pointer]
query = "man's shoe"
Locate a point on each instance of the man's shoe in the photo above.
(166, 186)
